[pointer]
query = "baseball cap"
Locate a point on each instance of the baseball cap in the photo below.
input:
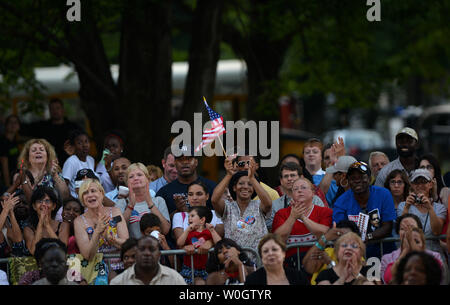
(85, 172)
(408, 131)
(360, 166)
(421, 172)
(341, 165)
(183, 150)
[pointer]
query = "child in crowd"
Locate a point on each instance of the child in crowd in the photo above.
(200, 236)
(150, 224)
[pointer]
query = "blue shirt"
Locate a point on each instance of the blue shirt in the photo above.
(158, 183)
(380, 202)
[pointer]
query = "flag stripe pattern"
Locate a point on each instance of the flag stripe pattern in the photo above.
(216, 129)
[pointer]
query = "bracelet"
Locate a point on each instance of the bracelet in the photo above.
(151, 207)
(319, 246)
(131, 208)
(324, 239)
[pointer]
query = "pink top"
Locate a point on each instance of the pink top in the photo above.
(389, 259)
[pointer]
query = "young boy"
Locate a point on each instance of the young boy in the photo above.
(151, 223)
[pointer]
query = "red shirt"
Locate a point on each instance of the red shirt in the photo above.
(197, 239)
(300, 232)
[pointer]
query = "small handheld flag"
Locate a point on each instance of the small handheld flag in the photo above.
(216, 128)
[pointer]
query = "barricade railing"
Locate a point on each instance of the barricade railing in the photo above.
(163, 252)
(380, 241)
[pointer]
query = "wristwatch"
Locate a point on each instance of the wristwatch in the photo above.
(369, 236)
(331, 264)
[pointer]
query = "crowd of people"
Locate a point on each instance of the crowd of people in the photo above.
(67, 218)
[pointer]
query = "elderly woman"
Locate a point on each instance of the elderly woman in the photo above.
(302, 221)
(39, 158)
(140, 201)
(272, 250)
(99, 229)
(420, 202)
(42, 222)
(350, 252)
(197, 196)
(244, 219)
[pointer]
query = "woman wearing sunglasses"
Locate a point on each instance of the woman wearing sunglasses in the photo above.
(349, 268)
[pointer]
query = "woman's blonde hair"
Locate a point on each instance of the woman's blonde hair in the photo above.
(25, 153)
(139, 166)
(353, 236)
(85, 186)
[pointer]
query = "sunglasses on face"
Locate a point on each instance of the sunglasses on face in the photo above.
(242, 163)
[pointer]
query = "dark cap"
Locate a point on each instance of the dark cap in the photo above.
(362, 167)
(183, 150)
(85, 172)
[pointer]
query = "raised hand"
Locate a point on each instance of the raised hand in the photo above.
(251, 168)
(230, 167)
(9, 204)
(180, 202)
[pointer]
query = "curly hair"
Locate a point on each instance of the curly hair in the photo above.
(433, 271)
(25, 153)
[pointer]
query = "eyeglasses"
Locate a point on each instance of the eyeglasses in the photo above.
(396, 182)
(46, 201)
(353, 245)
(242, 163)
(428, 167)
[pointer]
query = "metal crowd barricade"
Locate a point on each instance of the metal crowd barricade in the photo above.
(380, 241)
(163, 252)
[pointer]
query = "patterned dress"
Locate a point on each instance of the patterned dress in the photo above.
(246, 228)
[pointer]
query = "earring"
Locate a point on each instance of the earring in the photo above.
(344, 186)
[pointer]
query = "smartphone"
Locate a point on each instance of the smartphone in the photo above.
(117, 219)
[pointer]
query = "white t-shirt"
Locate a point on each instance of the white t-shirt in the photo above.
(179, 222)
(71, 168)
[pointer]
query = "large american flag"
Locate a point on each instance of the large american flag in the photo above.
(216, 127)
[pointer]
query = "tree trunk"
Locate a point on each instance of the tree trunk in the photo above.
(145, 81)
(203, 56)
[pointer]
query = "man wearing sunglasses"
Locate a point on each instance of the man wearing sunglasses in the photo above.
(364, 201)
(406, 142)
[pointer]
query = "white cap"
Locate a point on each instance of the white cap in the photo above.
(341, 165)
(410, 132)
(421, 172)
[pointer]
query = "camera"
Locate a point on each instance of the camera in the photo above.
(417, 199)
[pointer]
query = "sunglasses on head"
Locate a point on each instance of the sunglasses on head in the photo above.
(360, 165)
